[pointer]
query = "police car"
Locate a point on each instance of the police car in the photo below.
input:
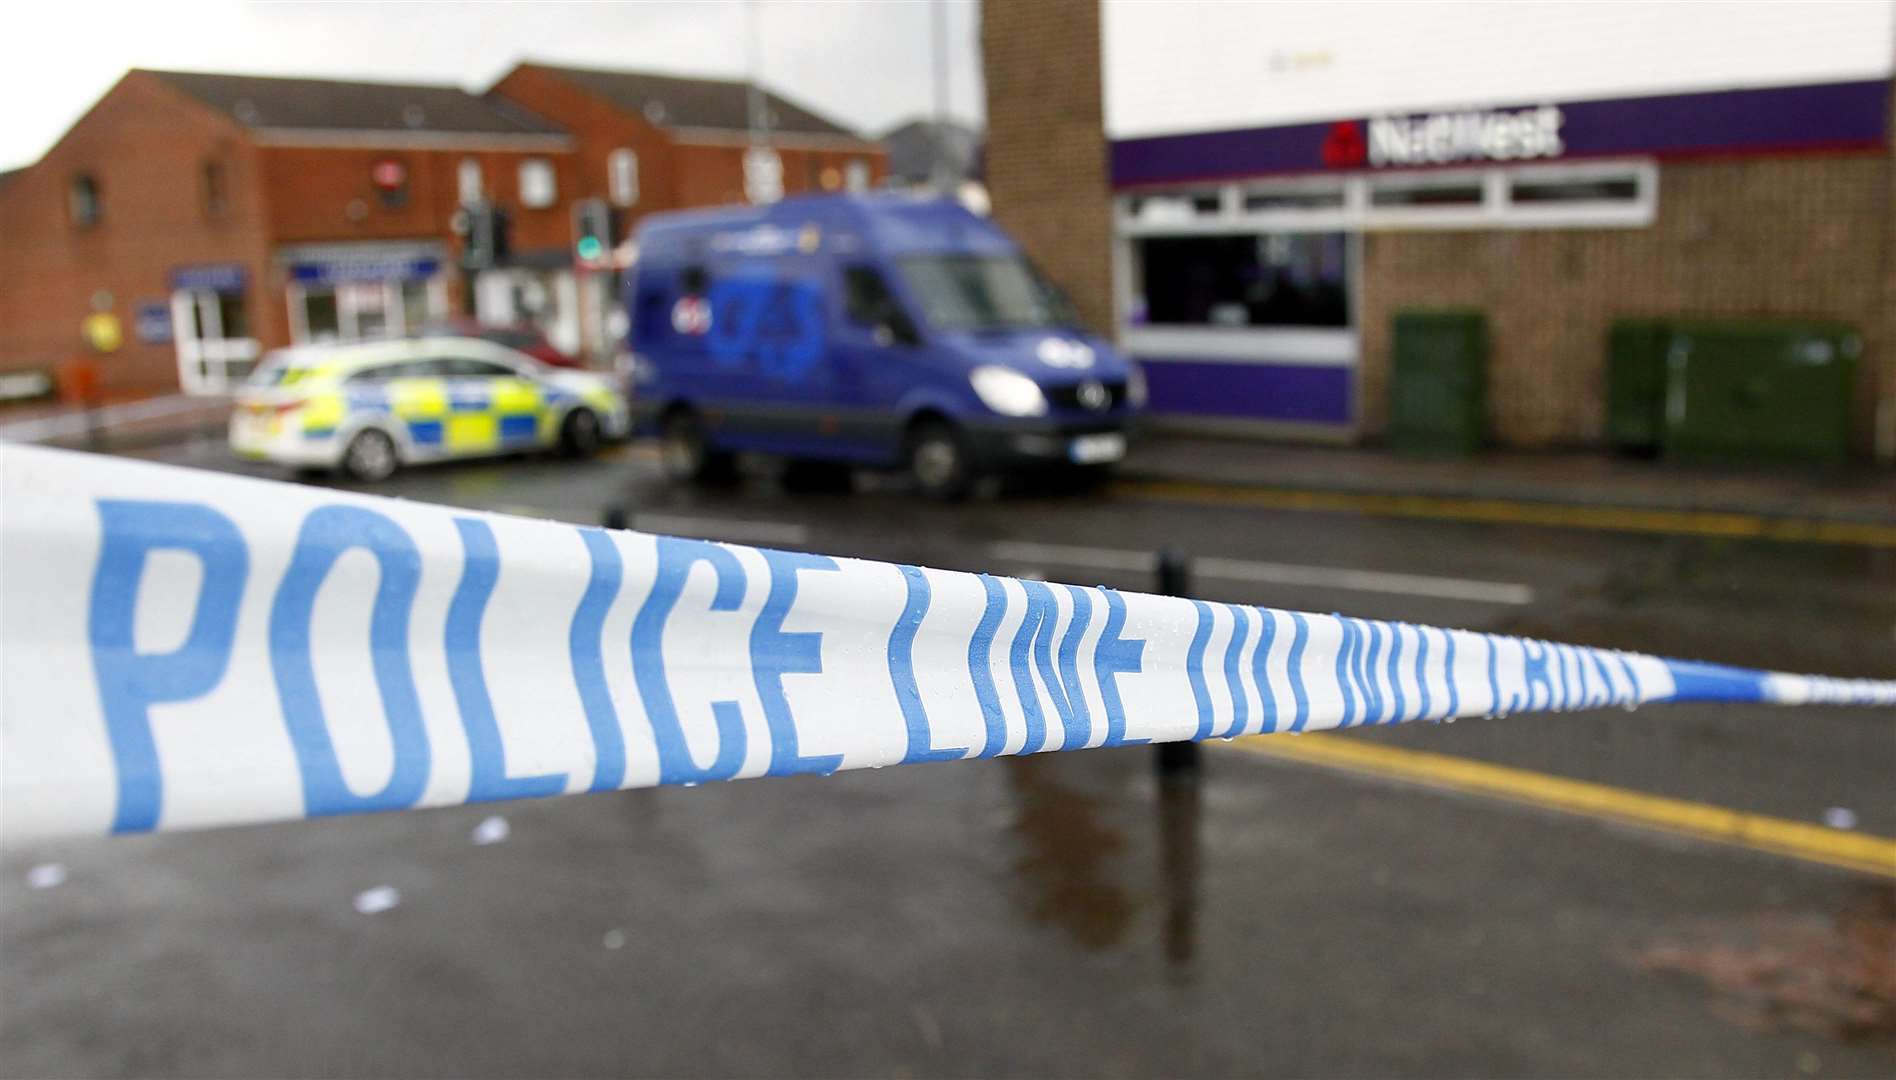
(366, 410)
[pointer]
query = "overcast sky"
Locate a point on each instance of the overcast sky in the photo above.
(866, 64)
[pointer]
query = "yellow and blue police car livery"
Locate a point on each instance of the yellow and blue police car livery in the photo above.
(367, 408)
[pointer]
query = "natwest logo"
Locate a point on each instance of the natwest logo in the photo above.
(1442, 138)
(1343, 145)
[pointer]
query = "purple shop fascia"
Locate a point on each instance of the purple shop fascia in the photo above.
(1826, 118)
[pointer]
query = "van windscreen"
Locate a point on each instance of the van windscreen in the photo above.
(984, 292)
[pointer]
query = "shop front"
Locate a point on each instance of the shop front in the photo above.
(1242, 266)
(354, 292)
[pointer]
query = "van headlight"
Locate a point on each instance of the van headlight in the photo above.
(1136, 392)
(1007, 391)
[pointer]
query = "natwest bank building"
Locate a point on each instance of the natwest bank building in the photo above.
(1281, 180)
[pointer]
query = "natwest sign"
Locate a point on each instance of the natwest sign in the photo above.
(1822, 118)
(1444, 138)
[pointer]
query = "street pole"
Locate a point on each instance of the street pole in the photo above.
(942, 176)
(1176, 761)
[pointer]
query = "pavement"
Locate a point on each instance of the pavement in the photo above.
(1859, 493)
(1283, 913)
(1453, 487)
(118, 425)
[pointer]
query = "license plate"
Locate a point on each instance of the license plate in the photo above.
(1095, 449)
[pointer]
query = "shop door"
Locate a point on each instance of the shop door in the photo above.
(215, 349)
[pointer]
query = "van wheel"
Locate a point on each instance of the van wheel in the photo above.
(685, 452)
(370, 457)
(938, 460)
(579, 434)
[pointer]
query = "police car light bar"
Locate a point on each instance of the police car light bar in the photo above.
(180, 648)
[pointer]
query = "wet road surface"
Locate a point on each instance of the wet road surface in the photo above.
(1067, 914)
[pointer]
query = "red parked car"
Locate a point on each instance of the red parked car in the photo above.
(521, 338)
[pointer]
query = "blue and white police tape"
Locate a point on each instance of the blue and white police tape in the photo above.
(180, 648)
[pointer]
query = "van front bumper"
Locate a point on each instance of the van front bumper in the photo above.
(1010, 446)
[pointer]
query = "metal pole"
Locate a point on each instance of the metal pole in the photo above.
(942, 173)
(1175, 761)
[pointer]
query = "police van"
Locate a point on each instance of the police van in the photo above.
(881, 330)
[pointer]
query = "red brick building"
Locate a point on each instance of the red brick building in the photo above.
(687, 137)
(220, 216)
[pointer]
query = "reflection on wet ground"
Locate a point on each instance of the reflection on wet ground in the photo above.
(1180, 811)
(1072, 856)
(1065, 864)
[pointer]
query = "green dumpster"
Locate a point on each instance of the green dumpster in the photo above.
(1755, 391)
(1438, 385)
(1636, 384)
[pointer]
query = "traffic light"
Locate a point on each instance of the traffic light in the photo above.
(485, 229)
(594, 230)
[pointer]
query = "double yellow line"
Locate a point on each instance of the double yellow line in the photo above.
(1863, 853)
(1508, 512)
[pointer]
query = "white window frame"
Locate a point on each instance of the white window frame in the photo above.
(1496, 210)
(622, 177)
(1641, 210)
(539, 184)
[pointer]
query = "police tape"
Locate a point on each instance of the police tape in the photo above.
(180, 648)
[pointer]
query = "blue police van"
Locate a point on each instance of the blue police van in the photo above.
(883, 330)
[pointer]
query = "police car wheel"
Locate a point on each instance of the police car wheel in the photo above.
(371, 456)
(579, 433)
(938, 461)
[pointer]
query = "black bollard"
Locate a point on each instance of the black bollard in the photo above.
(614, 517)
(1175, 761)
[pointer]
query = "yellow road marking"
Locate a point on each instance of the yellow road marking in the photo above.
(1813, 843)
(1507, 512)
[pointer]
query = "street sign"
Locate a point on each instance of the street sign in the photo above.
(102, 331)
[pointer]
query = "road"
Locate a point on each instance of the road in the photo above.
(1067, 914)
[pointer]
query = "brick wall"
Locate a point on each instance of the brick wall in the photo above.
(1790, 237)
(598, 128)
(146, 145)
(1046, 142)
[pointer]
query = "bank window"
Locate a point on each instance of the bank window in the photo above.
(1269, 200)
(216, 190)
(1246, 280)
(1405, 192)
(1175, 208)
(83, 202)
(622, 177)
(467, 177)
(1604, 189)
(538, 189)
